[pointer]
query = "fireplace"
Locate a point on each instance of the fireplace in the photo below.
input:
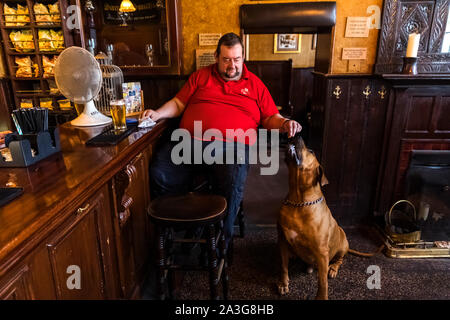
(421, 219)
(427, 188)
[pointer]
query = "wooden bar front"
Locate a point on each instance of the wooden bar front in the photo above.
(80, 230)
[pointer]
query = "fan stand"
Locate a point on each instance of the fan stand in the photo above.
(90, 117)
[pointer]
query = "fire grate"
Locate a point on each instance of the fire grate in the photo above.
(419, 249)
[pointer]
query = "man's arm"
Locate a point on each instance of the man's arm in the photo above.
(171, 109)
(277, 121)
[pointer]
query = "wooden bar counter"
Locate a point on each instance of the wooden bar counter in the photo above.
(80, 229)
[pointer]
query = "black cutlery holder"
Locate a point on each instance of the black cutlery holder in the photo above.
(45, 143)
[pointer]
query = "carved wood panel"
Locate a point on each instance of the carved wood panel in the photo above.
(402, 17)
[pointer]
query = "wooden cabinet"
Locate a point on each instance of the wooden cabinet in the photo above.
(85, 232)
(346, 132)
(78, 250)
(74, 262)
(100, 251)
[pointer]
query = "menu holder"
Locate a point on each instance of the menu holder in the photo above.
(44, 143)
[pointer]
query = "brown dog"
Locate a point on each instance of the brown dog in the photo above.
(306, 227)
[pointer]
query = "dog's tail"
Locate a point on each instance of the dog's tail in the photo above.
(363, 254)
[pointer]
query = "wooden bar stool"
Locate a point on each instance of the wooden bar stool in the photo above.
(193, 210)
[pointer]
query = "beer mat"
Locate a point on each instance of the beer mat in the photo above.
(110, 138)
(8, 194)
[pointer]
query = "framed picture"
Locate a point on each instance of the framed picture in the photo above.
(287, 43)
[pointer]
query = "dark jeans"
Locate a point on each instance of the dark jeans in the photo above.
(227, 180)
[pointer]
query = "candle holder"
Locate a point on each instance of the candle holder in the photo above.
(409, 65)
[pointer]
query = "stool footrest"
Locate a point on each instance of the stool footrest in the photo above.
(175, 267)
(189, 241)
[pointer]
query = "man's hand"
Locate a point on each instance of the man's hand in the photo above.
(150, 113)
(291, 127)
(171, 109)
(3, 135)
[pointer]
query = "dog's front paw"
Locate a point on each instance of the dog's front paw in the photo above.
(332, 272)
(283, 288)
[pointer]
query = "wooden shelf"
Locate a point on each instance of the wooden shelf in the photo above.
(40, 84)
(39, 95)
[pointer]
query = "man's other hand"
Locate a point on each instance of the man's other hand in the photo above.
(291, 127)
(3, 135)
(150, 113)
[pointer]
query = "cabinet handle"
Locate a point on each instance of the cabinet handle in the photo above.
(81, 210)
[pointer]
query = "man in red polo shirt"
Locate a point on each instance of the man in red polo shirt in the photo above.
(224, 96)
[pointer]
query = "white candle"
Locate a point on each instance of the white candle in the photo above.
(413, 45)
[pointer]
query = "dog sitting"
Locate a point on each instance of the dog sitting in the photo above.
(306, 228)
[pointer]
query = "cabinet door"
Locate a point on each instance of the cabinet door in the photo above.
(16, 286)
(75, 252)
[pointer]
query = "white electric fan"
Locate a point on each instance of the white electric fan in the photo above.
(79, 78)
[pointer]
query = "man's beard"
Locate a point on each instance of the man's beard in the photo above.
(236, 74)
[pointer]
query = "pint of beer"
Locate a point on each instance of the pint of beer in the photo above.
(118, 113)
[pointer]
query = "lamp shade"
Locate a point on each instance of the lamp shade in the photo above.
(127, 6)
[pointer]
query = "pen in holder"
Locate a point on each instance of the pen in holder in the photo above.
(409, 65)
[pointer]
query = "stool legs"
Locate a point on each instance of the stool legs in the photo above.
(223, 256)
(161, 261)
(164, 262)
(212, 263)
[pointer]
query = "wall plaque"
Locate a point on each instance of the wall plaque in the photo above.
(208, 39)
(357, 27)
(354, 53)
(204, 57)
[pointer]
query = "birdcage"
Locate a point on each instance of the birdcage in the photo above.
(111, 86)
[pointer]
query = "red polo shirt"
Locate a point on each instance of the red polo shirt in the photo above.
(223, 105)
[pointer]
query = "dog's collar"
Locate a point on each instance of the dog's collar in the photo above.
(302, 204)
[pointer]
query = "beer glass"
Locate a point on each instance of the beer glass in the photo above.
(118, 113)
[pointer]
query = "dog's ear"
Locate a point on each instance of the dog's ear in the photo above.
(321, 177)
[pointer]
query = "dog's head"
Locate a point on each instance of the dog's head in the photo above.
(302, 160)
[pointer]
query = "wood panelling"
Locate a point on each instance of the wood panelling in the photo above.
(347, 125)
(301, 93)
(16, 287)
(276, 75)
(418, 119)
(442, 115)
(419, 114)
